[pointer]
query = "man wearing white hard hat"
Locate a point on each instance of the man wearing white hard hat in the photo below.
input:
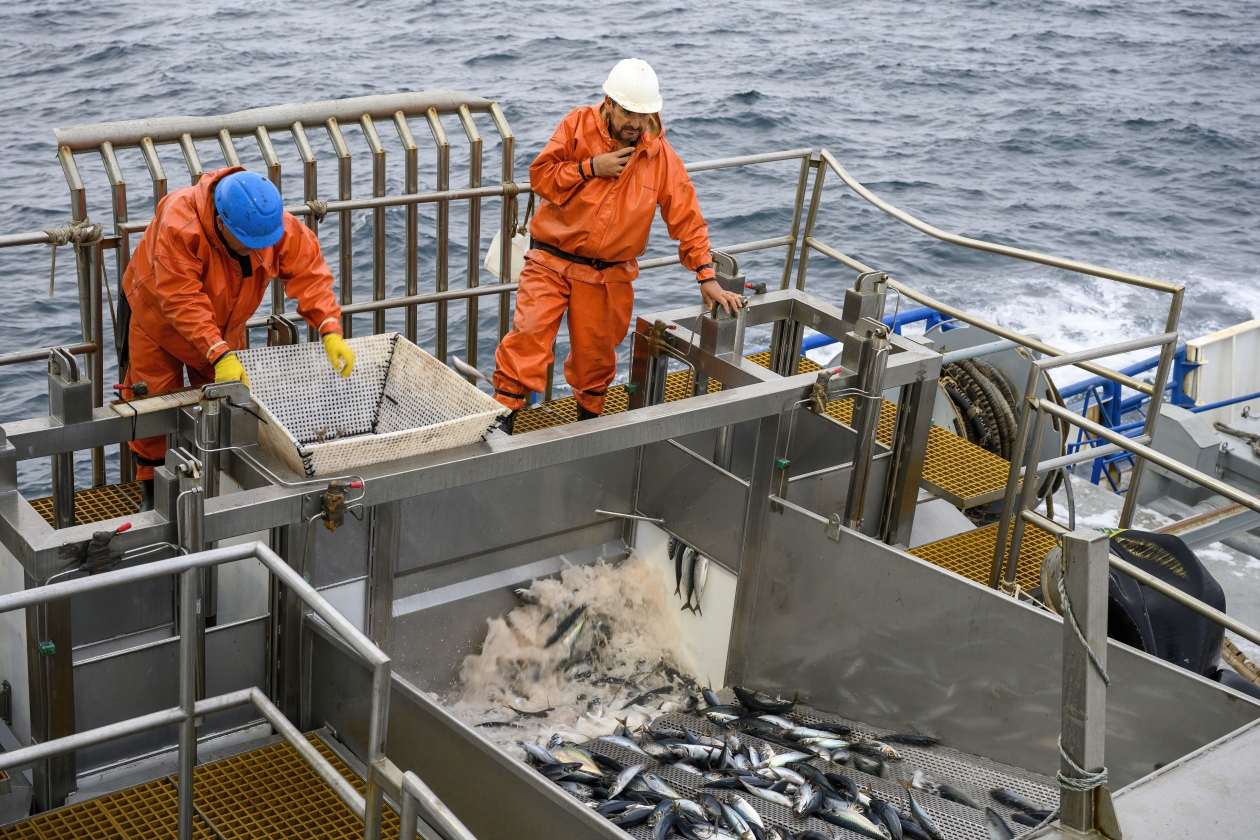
(599, 180)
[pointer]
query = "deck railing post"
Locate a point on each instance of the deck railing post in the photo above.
(1082, 775)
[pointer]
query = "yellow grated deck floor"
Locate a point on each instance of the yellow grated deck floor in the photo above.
(96, 504)
(970, 554)
(267, 792)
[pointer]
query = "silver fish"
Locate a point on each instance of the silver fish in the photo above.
(734, 819)
(854, 820)
(783, 723)
(537, 753)
(623, 742)
(658, 785)
(700, 576)
(921, 816)
(624, 778)
(691, 807)
(688, 566)
(1011, 799)
(688, 768)
(782, 773)
(577, 789)
(998, 829)
(748, 812)
(466, 369)
(875, 749)
(570, 753)
(676, 554)
(786, 758)
(767, 794)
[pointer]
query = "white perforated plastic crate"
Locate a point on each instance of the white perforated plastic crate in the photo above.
(398, 402)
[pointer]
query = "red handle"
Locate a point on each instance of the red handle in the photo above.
(126, 526)
(356, 485)
(118, 386)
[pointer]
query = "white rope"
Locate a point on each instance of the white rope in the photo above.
(1084, 781)
(78, 233)
(1071, 617)
(319, 209)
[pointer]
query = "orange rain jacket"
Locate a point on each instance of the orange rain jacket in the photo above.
(609, 219)
(186, 291)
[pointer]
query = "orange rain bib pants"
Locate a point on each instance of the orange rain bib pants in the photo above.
(190, 299)
(602, 219)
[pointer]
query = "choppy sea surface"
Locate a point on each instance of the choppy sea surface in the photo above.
(1118, 133)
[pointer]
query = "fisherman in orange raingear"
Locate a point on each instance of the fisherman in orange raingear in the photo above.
(199, 273)
(600, 179)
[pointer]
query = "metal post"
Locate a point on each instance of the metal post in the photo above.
(229, 150)
(386, 536)
(409, 818)
(411, 185)
(268, 153)
(378, 219)
(1167, 356)
(1027, 497)
(1084, 717)
(310, 172)
(191, 159)
(1027, 405)
(815, 203)
(443, 228)
(190, 667)
(867, 407)
(378, 726)
(51, 693)
(474, 229)
(345, 239)
(190, 521)
(910, 439)
(795, 230)
(505, 241)
(97, 359)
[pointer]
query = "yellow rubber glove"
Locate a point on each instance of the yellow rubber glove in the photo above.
(229, 368)
(340, 356)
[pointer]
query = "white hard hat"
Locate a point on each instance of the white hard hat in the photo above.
(632, 85)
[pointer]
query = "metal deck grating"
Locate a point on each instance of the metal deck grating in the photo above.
(974, 775)
(96, 504)
(970, 554)
(267, 792)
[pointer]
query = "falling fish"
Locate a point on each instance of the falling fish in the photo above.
(466, 369)
(998, 829)
(688, 580)
(563, 627)
(678, 549)
(699, 576)
(921, 816)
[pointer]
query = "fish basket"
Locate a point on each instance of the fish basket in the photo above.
(398, 402)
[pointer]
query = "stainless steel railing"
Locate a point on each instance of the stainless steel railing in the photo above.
(188, 566)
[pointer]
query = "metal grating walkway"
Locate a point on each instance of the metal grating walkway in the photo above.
(267, 792)
(970, 554)
(96, 504)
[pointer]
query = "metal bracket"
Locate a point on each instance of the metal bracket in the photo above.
(281, 331)
(833, 527)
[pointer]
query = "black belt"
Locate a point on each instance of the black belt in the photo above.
(598, 265)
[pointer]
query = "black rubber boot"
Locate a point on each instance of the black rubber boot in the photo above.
(583, 414)
(508, 422)
(146, 495)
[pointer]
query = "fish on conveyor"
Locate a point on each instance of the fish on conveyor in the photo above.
(658, 785)
(563, 627)
(921, 816)
(875, 749)
(953, 794)
(633, 816)
(710, 697)
(870, 766)
(623, 742)
(767, 794)
(998, 829)
(749, 814)
(853, 819)
(808, 800)
(1033, 818)
(578, 789)
(537, 753)
(910, 739)
(570, 752)
(750, 702)
(541, 713)
(647, 695)
(699, 576)
(889, 816)
(1013, 800)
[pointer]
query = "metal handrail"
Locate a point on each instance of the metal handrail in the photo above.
(367, 808)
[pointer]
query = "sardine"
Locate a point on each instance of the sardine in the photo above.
(815, 775)
(767, 794)
(541, 713)
(750, 702)
(1011, 799)
(680, 548)
(624, 778)
(875, 749)
(647, 695)
(808, 800)
(710, 697)
(953, 794)
(783, 723)
(722, 715)
(691, 808)
(658, 785)
(827, 742)
(688, 768)
(872, 766)
(700, 575)
(921, 816)
(538, 753)
(911, 740)
(785, 758)
(748, 812)
(666, 824)
(998, 829)
(853, 820)
(688, 581)
(634, 815)
(568, 752)
(889, 816)
(733, 818)
(577, 789)
(564, 626)
(623, 742)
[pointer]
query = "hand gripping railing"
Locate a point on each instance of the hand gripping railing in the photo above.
(368, 808)
(1167, 354)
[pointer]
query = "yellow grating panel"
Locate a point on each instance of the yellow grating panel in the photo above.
(961, 468)
(842, 410)
(970, 554)
(564, 410)
(96, 504)
(271, 792)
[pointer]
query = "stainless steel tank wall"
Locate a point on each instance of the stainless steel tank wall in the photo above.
(496, 796)
(871, 633)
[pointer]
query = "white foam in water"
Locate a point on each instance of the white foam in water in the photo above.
(628, 645)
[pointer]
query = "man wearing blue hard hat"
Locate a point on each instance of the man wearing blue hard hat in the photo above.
(198, 275)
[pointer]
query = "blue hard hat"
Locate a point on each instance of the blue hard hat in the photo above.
(251, 208)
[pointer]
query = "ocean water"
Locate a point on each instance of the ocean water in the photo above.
(1119, 133)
